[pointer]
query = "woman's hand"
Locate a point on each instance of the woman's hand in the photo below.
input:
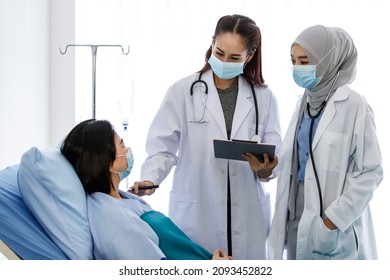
(329, 224)
(219, 255)
(262, 169)
(134, 189)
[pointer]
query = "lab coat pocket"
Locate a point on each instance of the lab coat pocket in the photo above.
(338, 144)
(323, 240)
(183, 210)
(333, 244)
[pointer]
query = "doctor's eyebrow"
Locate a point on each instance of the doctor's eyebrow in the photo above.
(232, 55)
(301, 57)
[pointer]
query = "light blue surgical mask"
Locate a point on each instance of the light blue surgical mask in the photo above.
(130, 161)
(226, 70)
(305, 76)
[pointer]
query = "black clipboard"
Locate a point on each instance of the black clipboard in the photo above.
(232, 149)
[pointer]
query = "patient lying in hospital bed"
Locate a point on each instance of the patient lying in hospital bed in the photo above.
(46, 207)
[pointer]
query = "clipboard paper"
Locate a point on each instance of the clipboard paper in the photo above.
(232, 149)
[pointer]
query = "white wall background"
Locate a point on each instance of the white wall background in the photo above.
(24, 77)
(43, 94)
(37, 86)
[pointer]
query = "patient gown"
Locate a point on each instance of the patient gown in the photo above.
(130, 229)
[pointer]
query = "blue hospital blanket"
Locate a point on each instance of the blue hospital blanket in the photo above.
(172, 241)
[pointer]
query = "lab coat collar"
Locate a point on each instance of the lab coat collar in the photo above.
(244, 104)
(213, 104)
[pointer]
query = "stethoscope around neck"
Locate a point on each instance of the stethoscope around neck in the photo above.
(319, 111)
(312, 119)
(199, 81)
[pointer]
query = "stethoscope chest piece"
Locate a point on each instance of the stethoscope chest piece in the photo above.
(256, 138)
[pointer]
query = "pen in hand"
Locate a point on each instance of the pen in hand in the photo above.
(141, 188)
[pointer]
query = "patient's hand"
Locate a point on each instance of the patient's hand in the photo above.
(219, 255)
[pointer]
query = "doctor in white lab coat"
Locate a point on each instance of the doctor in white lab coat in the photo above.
(346, 154)
(218, 203)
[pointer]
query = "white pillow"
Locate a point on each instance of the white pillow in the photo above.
(53, 192)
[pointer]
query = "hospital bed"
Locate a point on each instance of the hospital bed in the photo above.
(7, 253)
(43, 209)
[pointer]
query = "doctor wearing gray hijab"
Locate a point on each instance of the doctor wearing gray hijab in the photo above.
(330, 160)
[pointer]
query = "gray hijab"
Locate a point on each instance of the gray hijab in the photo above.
(334, 51)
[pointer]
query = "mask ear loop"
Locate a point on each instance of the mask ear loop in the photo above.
(122, 155)
(324, 58)
(251, 53)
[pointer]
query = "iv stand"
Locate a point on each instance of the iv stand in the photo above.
(94, 53)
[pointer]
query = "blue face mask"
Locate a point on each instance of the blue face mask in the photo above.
(226, 70)
(305, 76)
(130, 161)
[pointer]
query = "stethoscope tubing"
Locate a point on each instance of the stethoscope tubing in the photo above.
(312, 118)
(199, 80)
(320, 110)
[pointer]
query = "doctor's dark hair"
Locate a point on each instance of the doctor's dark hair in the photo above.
(90, 149)
(247, 29)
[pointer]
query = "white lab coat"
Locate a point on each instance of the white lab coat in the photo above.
(198, 199)
(348, 162)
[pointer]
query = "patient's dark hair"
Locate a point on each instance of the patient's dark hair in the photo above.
(90, 148)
